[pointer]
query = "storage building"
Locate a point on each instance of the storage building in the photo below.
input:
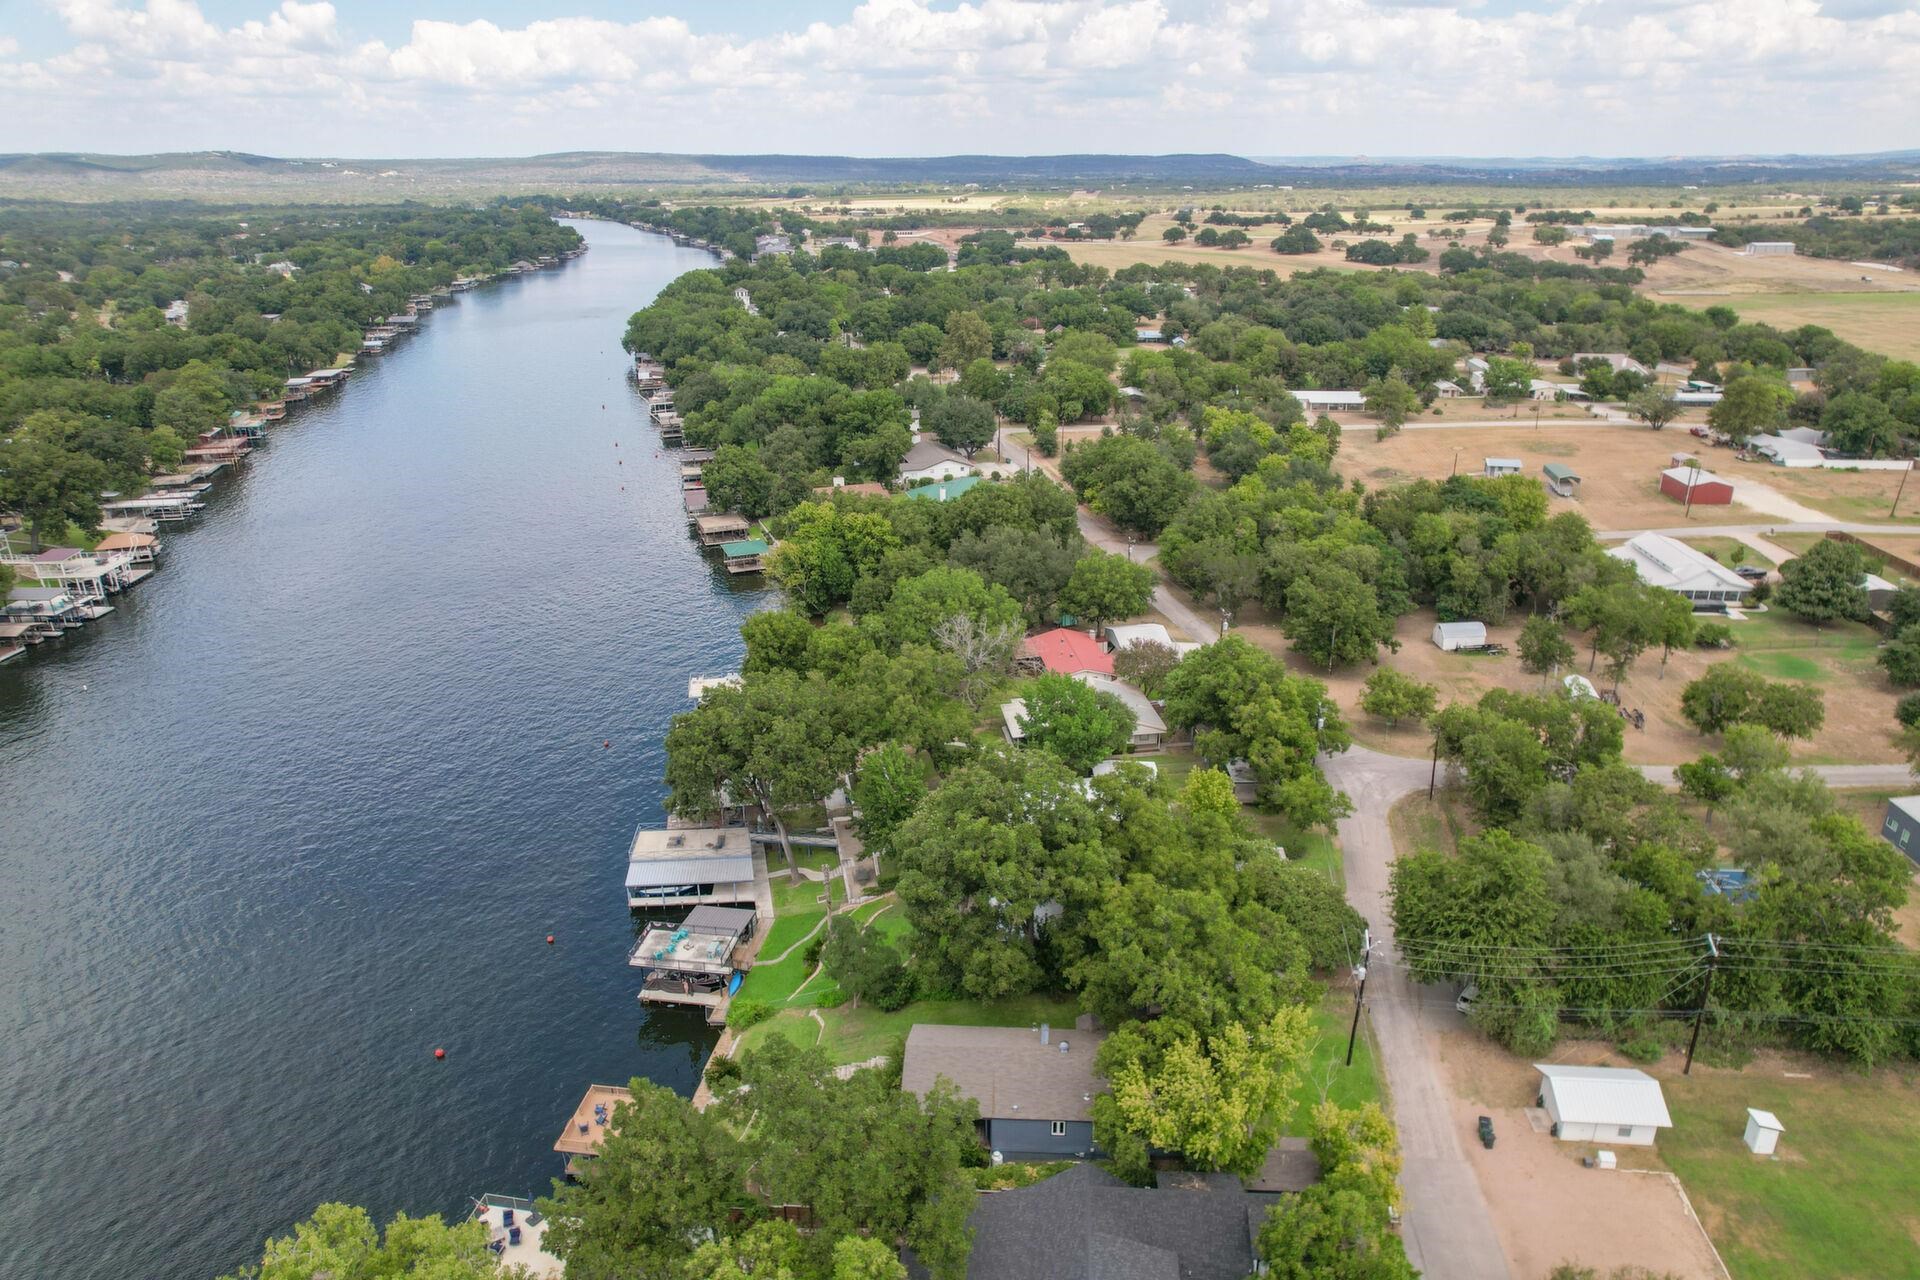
(1612, 1105)
(1459, 635)
(1501, 466)
(1701, 488)
(1666, 562)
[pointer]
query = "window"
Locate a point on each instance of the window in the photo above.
(1626, 1131)
(1059, 1128)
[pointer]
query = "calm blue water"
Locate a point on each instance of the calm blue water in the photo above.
(308, 804)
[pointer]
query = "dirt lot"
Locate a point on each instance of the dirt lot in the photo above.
(1619, 467)
(1547, 1207)
(1864, 497)
(1839, 659)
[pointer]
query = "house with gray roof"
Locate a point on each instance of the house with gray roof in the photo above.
(1086, 1224)
(1035, 1086)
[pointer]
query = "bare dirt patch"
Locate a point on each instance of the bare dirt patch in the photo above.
(1859, 701)
(1547, 1208)
(1619, 467)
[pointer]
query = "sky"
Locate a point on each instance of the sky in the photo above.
(418, 78)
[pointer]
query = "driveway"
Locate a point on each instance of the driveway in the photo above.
(1448, 1232)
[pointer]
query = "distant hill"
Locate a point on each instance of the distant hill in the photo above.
(239, 174)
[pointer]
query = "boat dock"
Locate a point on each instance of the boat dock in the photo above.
(589, 1125)
(696, 962)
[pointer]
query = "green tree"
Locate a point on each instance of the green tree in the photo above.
(1075, 722)
(1900, 657)
(1146, 664)
(340, 1242)
(776, 739)
(1825, 582)
(666, 1175)
(1394, 696)
(1859, 424)
(764, 1251)
(889, 787)
(1625, 618)
(961, 422)
(966, 340)
(1221, 1102)
(1653, 406)
(777, 640)
(1333, 616)
(1332, 1231)
(1174, 235)
(1725, 696)
(973, 881)
(1544, 647)
(1391, 400)
(1750, 406)
(1131, 481)
(861, 1258)
(1298, 238)
(193, 400)
(49, 486)
(867, 967)
(1103, 587)
(737, 480)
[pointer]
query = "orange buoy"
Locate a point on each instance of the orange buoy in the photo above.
(607, 743)
(438, 1054)
(549, 939)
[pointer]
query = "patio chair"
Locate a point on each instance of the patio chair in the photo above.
(513, 1235)
(506, 1217)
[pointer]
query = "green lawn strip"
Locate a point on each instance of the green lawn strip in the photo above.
(856, 1034)
(1313, 849)
(774, 983)
(788, 929)
(793, 1025)
(1783, 648)
(1324, 1072)
(1839, 1199)
(1720, 549)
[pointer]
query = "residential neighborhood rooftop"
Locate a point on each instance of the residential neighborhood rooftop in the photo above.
(1010, 1071)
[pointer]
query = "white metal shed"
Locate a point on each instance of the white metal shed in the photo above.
(1603, 1104)
(1459, 635)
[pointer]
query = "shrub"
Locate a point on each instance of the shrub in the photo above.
(1713, 635)
(1642, 1048)
(742, 1014)
(811, 953)
(722, 1070)
(1908, 712)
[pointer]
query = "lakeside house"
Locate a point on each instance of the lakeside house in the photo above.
(1148, 728)
(1035, 1089)
(1086, 1224)
(689, 867)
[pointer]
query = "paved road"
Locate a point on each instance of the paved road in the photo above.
(1446, 1226)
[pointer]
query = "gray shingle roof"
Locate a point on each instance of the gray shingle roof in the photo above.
(1085, 1224)
(1007, 1070)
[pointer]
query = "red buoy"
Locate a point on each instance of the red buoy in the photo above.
(549, 939)
(439, 1054)
(607, 743)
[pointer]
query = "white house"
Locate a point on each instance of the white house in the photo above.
(1666, 562)
(1613, 1105)
(1148, 727)
(1786, 452)
(1122, 635)
(1501, 467)
(1459, 635)
(1618, 361)
(1445, 390)
(1324, 401)
(931, 460)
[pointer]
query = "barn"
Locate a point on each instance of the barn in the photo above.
(1701, 488)
(1603, 1104)
(1459, 635)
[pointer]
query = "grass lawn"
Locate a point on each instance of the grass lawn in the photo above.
(1420, 823)
(1794, 542)
(1721, 549)
(1313, 849)
(1839, 1199)
(1782, 647)
(1325, 1074)
(856, 1034)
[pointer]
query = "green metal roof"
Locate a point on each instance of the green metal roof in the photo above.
(943, 490)
(1560, 471)
(745, 547)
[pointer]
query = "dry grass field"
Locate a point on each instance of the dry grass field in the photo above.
(1839, 659)
(1885, 321)
(1619, 467)
(1864, 497)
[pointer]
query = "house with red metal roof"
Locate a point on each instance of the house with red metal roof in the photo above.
(1066, 652)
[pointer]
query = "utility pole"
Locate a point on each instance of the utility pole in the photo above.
(1359, 996)
(1433, 775)
(1700, 1014)
(1692, 480)
(1902, 489)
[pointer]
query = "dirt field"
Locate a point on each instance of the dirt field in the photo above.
(1705, 267)
(1865, 497)
(1839, 659)
(1619, 467)
(1547, 1207)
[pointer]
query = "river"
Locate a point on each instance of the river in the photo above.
(307, 806)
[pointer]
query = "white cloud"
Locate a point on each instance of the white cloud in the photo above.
(930, 76)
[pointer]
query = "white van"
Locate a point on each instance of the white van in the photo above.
(1468, 994)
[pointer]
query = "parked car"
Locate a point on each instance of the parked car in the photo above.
(1486, 1132)
(1468, 994)
(1751, 572)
